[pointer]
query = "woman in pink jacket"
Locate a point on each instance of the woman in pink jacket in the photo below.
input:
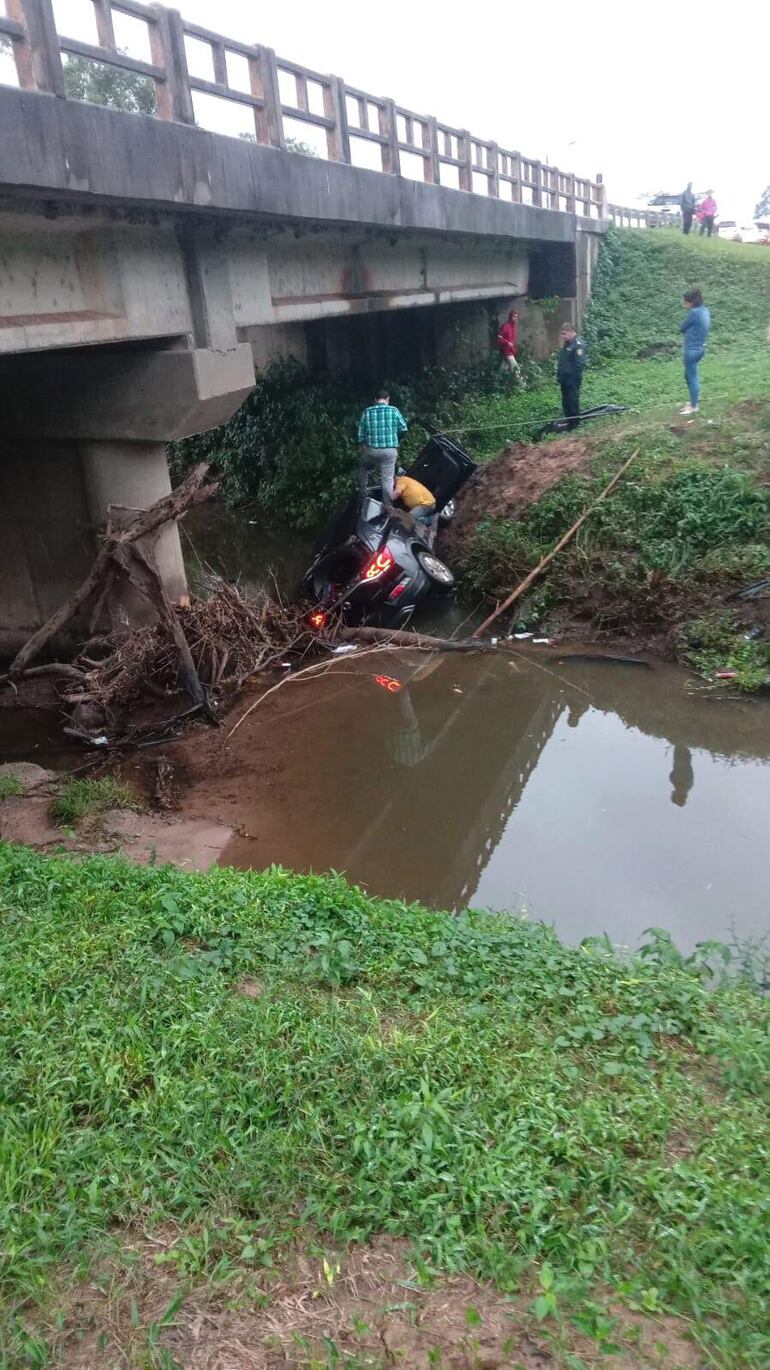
(707, 212)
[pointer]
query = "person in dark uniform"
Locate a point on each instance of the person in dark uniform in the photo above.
(569, 373)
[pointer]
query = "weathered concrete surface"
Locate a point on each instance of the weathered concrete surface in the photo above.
(45, 534)
(117, 227)
(125, 395)
(124, 476)
(87, 152)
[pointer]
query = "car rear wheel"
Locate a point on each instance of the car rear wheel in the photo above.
(438, 574)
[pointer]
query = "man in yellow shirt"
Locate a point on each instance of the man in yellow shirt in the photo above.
(417, 498)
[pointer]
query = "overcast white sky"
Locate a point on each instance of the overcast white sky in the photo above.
(652, 94)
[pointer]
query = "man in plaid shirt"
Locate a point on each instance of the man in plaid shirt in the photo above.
(379, 430)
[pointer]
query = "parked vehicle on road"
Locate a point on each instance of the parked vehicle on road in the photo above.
(375, 565)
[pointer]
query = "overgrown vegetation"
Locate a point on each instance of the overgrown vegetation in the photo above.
(528, 1112)
(639, 281)
(88, 798)
(293, 447)
(10, 785)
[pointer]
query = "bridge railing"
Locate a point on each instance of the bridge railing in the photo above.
(185, 65)
(622, 217)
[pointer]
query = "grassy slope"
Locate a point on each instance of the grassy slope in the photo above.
(691, 521)
(469, 1083)
(636, 303)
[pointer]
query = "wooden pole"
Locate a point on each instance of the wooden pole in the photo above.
(548, 558)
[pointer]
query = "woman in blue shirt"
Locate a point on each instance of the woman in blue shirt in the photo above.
(695, 325)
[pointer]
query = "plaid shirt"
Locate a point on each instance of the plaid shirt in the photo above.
(381, 425)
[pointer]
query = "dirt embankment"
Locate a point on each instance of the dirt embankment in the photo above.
(518, 476)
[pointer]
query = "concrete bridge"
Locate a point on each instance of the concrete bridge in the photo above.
(148, 264)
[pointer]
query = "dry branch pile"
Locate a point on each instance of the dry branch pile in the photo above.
(203, 647)
(230, 639)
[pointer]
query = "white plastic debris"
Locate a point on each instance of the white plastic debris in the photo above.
(520, 637)
(345, 648)
(543, 641)
(100, 741)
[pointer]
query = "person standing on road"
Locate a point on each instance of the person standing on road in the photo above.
(508, 342)
(695, 326)
(687, 204)
(707, 214)
(379, 430)
(569, 372)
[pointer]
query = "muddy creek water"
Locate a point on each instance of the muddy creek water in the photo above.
(602, 798)
(598, 796)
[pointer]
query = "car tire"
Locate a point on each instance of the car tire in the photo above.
(439, 575)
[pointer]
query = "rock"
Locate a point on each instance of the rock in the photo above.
(27, 773)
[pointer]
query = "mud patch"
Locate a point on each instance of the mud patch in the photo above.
(517, 477)
(366, 1306)
(192, 843)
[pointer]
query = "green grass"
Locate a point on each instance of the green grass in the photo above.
(690, 523)
(509, 1104)
(87, 798)
(10, 785)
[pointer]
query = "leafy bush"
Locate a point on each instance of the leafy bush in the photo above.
(293, 444)
(717, 643)
(678, 521)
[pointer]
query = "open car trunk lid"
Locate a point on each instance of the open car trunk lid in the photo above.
(443, 467)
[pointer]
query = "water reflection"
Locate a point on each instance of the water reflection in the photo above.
(681, 776)
(493, 782)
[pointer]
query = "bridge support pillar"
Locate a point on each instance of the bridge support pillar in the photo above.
(119, 478)
(86, 435)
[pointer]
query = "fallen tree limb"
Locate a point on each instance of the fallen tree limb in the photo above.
(60, 668)
(422, 642)
(548, 558)
(146, 578)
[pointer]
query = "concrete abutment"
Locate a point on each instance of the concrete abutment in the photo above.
(87, 433)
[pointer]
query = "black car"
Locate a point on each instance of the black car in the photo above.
(377, 565)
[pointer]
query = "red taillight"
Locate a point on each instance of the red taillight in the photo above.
(317, 619)
(389, 683)
(397, 591)
(377, 565)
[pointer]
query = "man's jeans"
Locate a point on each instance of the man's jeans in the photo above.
(691, 360)
(381, 460)
(425, 513)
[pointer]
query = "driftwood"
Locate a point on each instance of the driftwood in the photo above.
(119, 557)
(548, 558)
(422, 642)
